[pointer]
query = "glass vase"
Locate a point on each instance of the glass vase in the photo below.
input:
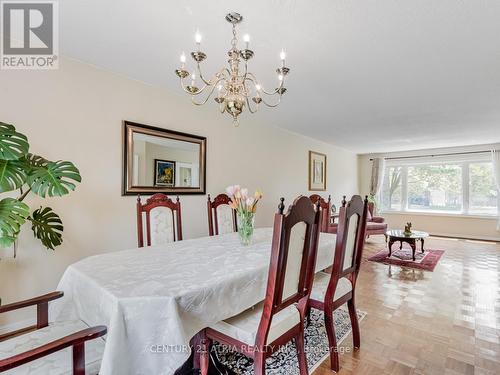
(245, 227)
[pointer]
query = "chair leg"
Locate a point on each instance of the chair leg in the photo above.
(205, 355)
(354, 323)
(332, 340)
(259, 363)
(79, 359)
(196, 344)
(308, 315)
(301, 354)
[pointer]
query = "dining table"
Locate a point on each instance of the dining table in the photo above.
(155, 299)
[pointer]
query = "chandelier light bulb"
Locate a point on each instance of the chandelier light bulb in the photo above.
(197, 37)
(183, 57)
(282, 55)
(246, 39)
(258, 87)
(280, 77)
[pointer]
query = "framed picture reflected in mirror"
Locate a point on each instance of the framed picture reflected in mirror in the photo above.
(164, 173)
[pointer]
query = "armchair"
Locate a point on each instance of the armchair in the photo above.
(40, 348)
(374, 224)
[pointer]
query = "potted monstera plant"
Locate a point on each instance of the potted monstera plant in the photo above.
(24, 172)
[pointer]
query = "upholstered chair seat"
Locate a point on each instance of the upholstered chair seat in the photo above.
(58, 363)
(372, 226)
(243, 327)
(321, 281)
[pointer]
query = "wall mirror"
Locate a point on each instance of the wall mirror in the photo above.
(157, 160)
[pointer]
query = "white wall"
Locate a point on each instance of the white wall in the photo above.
(76, 113)
(446, 225)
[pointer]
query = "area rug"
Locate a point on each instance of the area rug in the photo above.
(426, 261)
(284, 361)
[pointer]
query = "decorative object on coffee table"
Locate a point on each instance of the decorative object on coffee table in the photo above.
(407, 229)
(397, 235)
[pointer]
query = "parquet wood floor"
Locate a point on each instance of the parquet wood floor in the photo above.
(445, 322)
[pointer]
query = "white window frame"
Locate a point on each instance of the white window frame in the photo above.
(462, 160)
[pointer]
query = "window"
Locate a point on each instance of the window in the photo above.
(435, 187)
(442, 186)
(392, 186)
(483, 195)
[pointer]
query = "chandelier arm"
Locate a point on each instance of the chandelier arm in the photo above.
(246, 71)
(252, 78)
(189, 92)
(209, 94)
(250, 107)
(272, 105)
(216, 76)
(248, 101)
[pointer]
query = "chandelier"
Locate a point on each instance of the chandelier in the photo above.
(235, 86)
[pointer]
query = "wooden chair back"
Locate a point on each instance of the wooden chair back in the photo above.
(163, 220)
(221, 217)
(293, 258)
(325, 210)
(350, 239)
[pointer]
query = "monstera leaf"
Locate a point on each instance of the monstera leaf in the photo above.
(34, 161)
(12, 174)
(53, 178)
(47, 227)
(13, 145)
(13, 214)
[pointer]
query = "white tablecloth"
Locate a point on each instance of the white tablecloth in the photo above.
(154, 300)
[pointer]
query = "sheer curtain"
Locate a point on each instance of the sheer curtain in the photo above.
(495, 157)
(378, 168)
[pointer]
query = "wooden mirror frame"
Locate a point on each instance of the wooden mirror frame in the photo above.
(132, 127)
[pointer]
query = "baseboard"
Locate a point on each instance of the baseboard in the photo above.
(11, 327)
(460, 236)
(466, 237)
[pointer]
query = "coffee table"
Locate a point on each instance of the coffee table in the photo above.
(398, 235)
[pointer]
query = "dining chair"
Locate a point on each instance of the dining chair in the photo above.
(325, 210)
(332, 225)
(221, 217)
(163, 220)
(330, 291)
(265, 327)
(44, 348)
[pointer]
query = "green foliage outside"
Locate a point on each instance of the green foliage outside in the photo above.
(439, 187)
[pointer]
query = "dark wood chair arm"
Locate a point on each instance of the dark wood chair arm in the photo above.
(75, 339)
(31, 302)
(42, 312)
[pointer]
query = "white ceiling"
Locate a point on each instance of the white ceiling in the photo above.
(369, 76)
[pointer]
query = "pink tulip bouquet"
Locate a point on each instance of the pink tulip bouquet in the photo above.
(245, 207)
